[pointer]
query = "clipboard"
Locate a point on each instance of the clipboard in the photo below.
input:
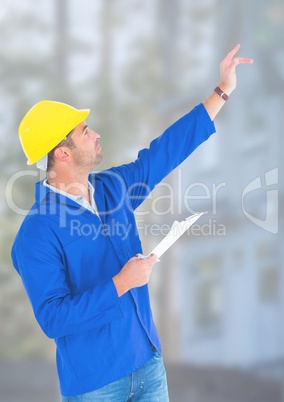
(177, 230)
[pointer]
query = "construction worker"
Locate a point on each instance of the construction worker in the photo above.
(76, 250)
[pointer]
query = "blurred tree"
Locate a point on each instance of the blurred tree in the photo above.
(26, 72)
(104, 105)
(61, 45)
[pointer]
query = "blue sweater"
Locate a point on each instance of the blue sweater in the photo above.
(67, 257)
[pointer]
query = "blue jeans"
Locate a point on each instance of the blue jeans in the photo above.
(147, 384)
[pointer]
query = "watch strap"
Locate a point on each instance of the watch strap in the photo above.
(221, 93)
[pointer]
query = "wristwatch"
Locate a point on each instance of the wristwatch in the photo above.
(221, 93)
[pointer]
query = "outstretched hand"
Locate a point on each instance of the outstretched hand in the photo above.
(228, 78)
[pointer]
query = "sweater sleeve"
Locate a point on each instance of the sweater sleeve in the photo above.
(37, 257)
(165, 153)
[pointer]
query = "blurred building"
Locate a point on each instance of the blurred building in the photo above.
(222, 286)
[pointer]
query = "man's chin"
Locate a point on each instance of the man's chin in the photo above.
(98, 160)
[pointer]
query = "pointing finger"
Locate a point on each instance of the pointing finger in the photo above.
(238, 60)
(232, 53)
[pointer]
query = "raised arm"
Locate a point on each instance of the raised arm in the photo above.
(228, 82)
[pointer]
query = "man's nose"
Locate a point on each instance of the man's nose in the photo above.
(96, 136)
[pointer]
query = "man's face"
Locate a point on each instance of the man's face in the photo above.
(87, 150)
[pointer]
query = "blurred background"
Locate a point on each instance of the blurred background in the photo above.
(218, 294)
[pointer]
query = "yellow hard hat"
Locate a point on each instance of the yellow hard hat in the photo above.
(45, 125)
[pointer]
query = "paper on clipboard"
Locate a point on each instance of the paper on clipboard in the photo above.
(177, 229)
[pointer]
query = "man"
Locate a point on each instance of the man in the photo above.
(76, 251)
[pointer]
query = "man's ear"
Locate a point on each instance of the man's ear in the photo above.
(62, 154)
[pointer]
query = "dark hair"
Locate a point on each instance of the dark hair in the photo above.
(68, 142)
